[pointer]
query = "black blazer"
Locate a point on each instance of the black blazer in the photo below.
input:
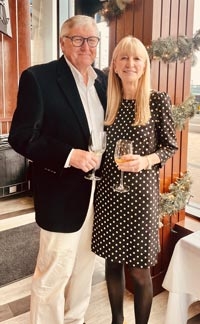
(48, 122)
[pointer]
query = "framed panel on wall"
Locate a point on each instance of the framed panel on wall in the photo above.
(5, 22)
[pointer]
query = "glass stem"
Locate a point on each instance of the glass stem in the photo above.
(122, 179)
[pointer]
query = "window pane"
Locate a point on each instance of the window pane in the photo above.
(194, 130)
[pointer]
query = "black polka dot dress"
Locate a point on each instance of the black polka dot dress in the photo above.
(126, 224)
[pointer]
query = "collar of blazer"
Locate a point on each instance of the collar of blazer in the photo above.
(101, 87)
(68, 86)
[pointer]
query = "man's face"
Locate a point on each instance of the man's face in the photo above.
(81, 57)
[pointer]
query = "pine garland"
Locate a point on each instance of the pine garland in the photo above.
(177, 197)
(182, 112)
(179, 192)
(172, 49)
(169, 49)
(111, 10)
(114, 8)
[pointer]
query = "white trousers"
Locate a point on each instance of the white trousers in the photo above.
(62, 280)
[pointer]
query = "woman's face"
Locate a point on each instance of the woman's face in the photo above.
(129, 67)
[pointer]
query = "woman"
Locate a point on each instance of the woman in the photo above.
(126, 224)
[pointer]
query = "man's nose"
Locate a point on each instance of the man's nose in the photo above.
(85, 43)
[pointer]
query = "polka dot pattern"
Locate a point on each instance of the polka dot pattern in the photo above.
(126, 224)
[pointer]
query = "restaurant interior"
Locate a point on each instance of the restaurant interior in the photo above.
(29, 35)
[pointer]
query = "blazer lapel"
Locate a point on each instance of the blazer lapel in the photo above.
(101, 91)
(68, 86)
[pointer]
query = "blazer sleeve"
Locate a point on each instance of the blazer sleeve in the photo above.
(26, 134)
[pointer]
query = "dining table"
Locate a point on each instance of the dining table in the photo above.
(182, 278)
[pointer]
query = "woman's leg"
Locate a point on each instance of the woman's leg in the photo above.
(143, 293)
(115, 286)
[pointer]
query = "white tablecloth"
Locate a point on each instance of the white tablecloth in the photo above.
(182, 279)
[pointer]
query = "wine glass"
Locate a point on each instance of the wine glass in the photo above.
(122, 147)
(97, 145)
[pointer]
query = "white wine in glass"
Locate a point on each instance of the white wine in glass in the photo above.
(123, 147)
(97, 145)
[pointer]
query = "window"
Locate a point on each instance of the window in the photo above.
(193, 207)
(46, 19)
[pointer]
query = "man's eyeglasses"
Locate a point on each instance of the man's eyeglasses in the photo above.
(78, 41)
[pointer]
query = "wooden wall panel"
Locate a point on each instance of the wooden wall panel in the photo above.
(138, 19)
(148, 18)
(132, 23)
(128, 23)
(14, 57)
(24, 36)
(10, 64)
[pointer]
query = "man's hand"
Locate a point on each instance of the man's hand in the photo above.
(83, 160)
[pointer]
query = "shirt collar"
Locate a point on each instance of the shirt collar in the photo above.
(78, 76)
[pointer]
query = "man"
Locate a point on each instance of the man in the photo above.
(58, 105)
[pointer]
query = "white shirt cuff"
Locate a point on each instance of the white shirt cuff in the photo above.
(67, 165)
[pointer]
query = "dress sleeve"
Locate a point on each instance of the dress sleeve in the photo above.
(165, 127)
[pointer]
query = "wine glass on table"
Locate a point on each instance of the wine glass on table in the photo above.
(123, 147)
(97, 145)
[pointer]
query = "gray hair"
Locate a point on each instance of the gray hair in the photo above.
(78, 20)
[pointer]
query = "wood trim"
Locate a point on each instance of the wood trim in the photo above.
(15, 56)
(24, 35)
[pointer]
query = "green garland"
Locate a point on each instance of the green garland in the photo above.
(114, 8)
(179, 191)
(172, 49)
(111, 10)
(177, 197)
(168, 50)
(182, 112)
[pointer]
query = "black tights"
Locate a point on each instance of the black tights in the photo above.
(142, 287)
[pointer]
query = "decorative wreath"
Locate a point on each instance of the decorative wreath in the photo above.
(114, 8)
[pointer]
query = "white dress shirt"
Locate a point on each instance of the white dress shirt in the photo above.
(89, 97)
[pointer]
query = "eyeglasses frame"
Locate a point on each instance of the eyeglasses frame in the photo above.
(83, 40)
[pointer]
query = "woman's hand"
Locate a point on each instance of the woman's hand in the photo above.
(133, 163)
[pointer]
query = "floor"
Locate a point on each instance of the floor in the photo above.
(15, 297)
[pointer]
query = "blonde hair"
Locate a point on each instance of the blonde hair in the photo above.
(78, 20)
(129, 45)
